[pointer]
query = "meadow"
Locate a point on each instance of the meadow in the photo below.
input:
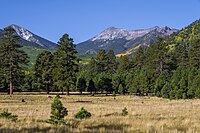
(145, 114)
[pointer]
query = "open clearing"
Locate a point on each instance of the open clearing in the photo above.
(145, 114)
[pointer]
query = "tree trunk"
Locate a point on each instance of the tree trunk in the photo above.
(47, 89)
(67, 90)
(161, 65)
(11, 88)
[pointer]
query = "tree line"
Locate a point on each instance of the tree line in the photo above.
(169, 68)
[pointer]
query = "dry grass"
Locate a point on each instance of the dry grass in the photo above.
(145, 114)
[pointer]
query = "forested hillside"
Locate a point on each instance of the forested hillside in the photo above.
(169, 68)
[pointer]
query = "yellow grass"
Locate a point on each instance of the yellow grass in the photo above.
(145, 114)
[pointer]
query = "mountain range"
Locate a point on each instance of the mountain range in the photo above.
(28, 38)
(122, 40)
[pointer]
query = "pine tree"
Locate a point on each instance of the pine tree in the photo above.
(91, 87)
(65, 63)
(101, 60)
(58, 112)
(43, 69)
(13, 60)
(81, 85)
(194, 53)
(165, 90)
(111, 62)
(92, 66)
(124, 64)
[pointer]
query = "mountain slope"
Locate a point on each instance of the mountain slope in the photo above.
(122, 40)
(30, 39)
(1, 32)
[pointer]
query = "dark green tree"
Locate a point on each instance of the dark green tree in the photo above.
(65, 63)
(124, 64)
(81, 85)
(165, 90)
(101, 60)
(13, 60)
(111, 62)
(194, 53)
(43, 69)
(91, 87)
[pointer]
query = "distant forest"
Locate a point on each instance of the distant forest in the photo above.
(169, 68)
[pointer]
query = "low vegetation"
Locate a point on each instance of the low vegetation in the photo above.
(7, 115)
(82, 114)
(58, 112)
(145, 114)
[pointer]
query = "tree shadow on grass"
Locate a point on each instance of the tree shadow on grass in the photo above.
(108, 127)
(37, 130)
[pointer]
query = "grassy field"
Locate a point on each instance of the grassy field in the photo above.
(144, 114)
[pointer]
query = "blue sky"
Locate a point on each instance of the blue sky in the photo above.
(83, 19)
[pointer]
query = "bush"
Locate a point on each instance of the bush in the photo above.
(58, 112)
(5, 114)
(124, 112)
(83, 114)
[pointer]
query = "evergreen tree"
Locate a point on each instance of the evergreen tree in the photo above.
(58, 112)
(101, 60)
(194, 53)
(43, 69)
(124, 64)
(138, 59)
(81, 85)
(111, 63)
(91, 87)
(65, 63)
(165, 91)
(13, 60)
(160, 82)
(92, 66)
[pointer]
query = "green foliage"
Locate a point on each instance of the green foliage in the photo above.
(81, 85)
(65, 64)
(83, 114)
(124, 64)
(32, 53)
(58, 112)
(43, 70)
(7, 115)
(165, 91)
(13, 60)
(121, 89)
(124, 112)
(91, 87)
(179, 94)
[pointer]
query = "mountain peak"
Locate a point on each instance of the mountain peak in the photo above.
(30, 39)
(22, 32)
(112, 28)
(120, 40)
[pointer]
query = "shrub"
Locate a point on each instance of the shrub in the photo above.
(83, 114)
(124, 112)
(5, 114)
(58, 112)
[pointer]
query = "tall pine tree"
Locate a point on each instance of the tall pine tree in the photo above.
(65, 63)
(13, 60)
